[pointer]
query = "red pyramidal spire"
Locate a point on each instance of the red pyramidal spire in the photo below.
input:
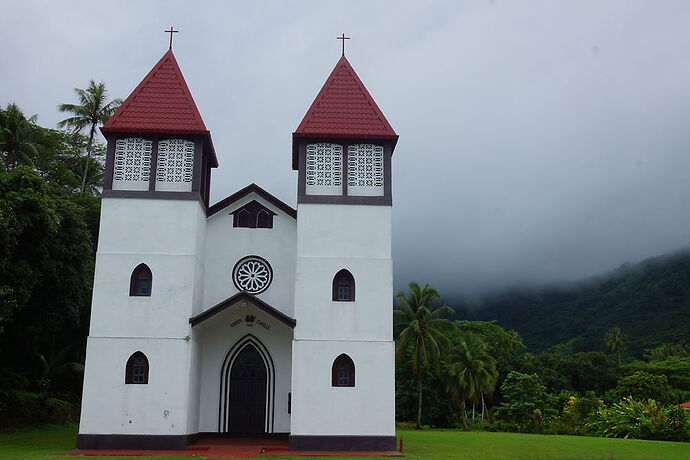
(160, 104)
(343, 109)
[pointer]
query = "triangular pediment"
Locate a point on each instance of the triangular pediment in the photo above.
(236, 302)
(248, 190)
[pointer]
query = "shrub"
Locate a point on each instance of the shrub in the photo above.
(641, 420)
(25, 407)
(576, 412)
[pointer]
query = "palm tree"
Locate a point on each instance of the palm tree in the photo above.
(616, 340)
(420, 327)
(19, 137)
(471, 373)
(91, 111)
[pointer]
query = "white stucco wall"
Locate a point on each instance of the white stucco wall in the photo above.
(358, 238)
(368, 408)
(109, 406)
(218, 335)
(168, 236)
(342, 230)
(225, 245)
(367, 318)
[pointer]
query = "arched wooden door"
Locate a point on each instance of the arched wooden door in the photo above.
(247, 393)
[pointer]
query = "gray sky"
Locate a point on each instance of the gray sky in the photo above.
(540, 141)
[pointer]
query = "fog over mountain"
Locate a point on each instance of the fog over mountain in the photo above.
(540, 141)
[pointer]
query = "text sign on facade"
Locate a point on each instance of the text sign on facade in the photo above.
(250, 320)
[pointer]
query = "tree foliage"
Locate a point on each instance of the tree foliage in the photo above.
(420, 327)
(642, 386)
(47, 230)
(525, 401)
(616, 341)
(91, 110)
(471, 372)
(20, 137)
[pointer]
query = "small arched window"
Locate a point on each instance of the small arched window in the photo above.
(343, 372)
(263, 219)
(343, 286)
(141, 281)
(243, 218)
(137, 369)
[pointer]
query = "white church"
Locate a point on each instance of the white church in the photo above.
(243, 318)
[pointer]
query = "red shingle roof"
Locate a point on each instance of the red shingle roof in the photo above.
(160, 104)
(343, 109)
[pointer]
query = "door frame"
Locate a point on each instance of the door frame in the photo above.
(226, 367)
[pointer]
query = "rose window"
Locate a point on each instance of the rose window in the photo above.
(252, 274)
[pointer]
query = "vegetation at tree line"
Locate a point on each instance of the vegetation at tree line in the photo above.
(486, 367)
(605, 358)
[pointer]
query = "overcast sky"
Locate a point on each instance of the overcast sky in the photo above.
(540, 141)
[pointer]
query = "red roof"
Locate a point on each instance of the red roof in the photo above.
(160, 104)
(343, 109)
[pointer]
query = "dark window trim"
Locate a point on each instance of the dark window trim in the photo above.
(129, 369)
(350, 284)
(252, 210)
(385, 200)
(134, 278)
(201, 164)
(343, 362)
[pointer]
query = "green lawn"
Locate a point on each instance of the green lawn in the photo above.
(52, 441)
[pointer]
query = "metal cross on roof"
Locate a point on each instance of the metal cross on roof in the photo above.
(171, 31)
(343, 38)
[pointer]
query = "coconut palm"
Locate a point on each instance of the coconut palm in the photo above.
(421, 328)
(19, 137)
(471, 372)
(616, 340)
(91, 110)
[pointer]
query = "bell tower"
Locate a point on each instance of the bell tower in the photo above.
(148, 276)
(343, 378)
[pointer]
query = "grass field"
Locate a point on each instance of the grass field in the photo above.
(50, 443)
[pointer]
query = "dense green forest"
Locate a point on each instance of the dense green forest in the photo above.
(649, 301)
(49, 213)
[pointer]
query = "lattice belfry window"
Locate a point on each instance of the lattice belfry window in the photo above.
(365, 169)
(324, 169)
(175, 165)
(132, 164)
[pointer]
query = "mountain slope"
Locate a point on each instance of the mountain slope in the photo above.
(649, 301)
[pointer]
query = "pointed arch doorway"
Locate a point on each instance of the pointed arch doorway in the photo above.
(247, 390)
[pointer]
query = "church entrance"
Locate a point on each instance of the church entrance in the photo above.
(247, 393)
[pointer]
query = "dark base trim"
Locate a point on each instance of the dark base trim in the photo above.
(343, 443)
(132, 441)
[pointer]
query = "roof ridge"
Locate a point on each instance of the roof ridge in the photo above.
(251, 188)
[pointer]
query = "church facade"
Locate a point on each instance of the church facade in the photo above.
(246, 317)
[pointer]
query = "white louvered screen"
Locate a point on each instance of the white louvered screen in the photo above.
(365, 170)
(175, 165)
(132, 167)
(324, 169)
